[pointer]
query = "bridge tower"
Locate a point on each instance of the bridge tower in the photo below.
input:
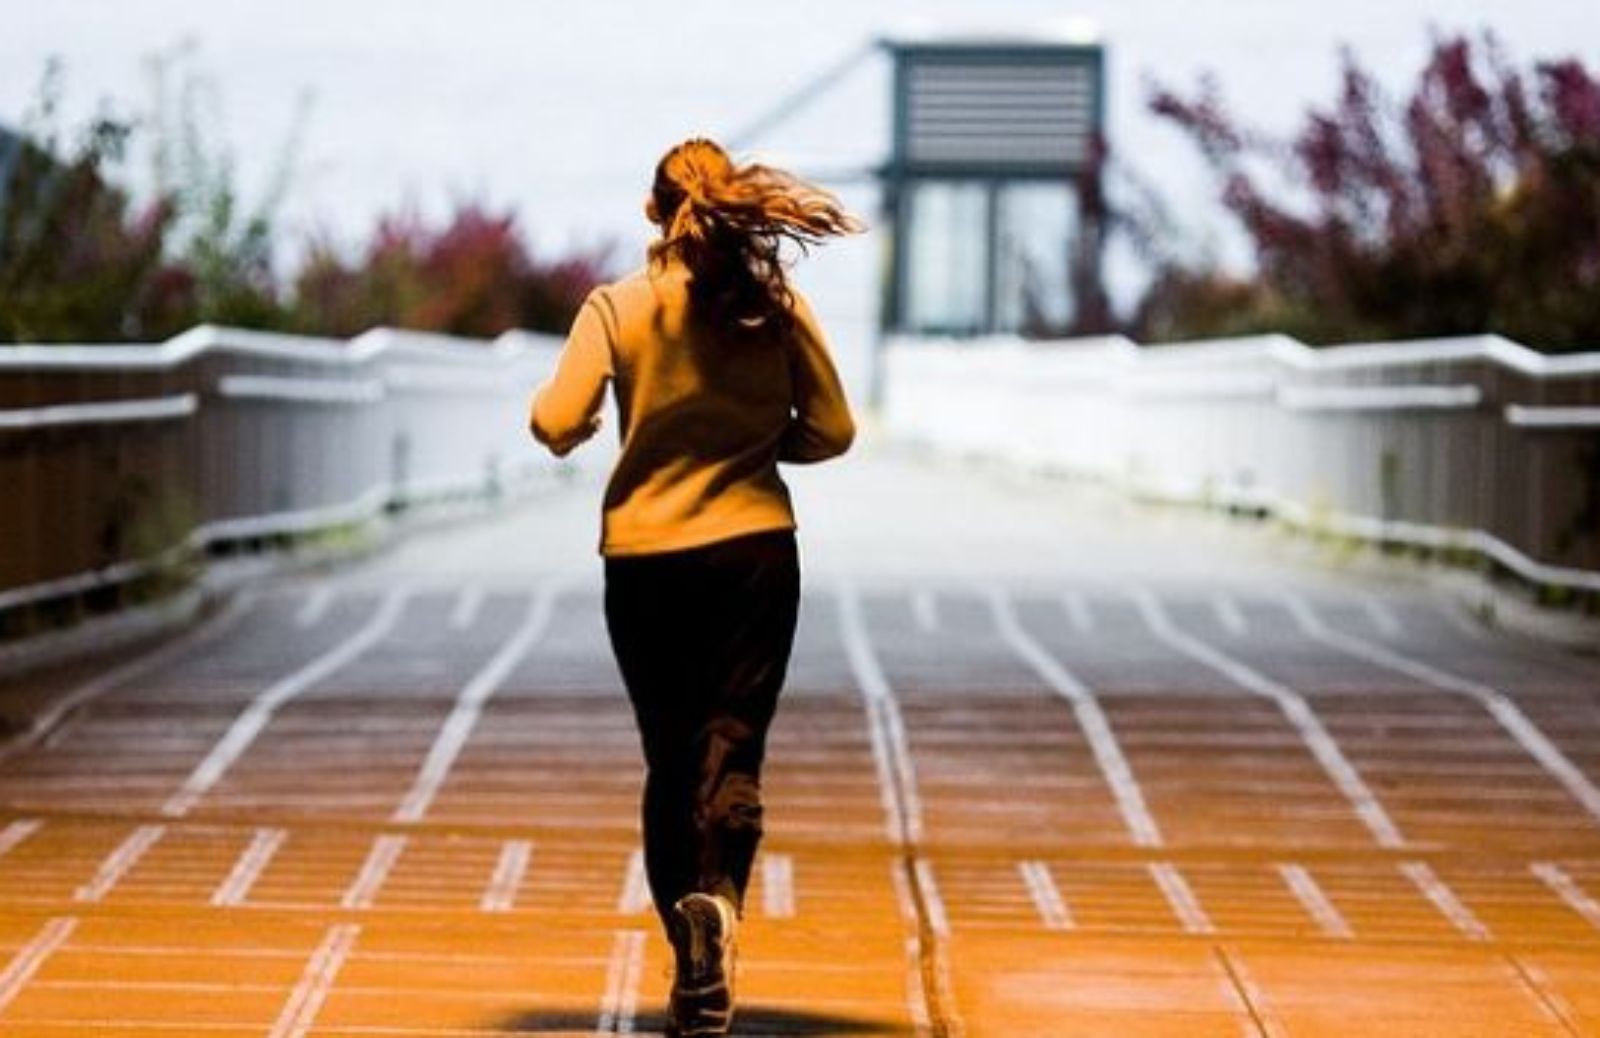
(990, 184)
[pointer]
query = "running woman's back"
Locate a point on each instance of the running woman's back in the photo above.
(720, 371)
(706, 412)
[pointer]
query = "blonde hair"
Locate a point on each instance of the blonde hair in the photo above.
(726, 221)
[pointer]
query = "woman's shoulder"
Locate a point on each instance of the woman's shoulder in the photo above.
(636, 300)
(648, 289)
(624, 285)
(643, 281)
(611, 291)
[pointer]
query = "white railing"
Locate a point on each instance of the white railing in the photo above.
(115, 459)
(1476, 444)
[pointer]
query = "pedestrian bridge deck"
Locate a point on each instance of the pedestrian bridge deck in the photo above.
(1047, 765)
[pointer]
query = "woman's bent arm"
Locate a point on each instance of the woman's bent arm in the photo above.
(566, 409)
(822, 426)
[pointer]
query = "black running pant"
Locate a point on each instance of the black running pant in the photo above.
(702, 637)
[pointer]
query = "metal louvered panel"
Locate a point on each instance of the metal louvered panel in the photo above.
(998, 111)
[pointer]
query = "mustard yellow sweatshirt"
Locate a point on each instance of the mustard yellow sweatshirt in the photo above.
(705, 418)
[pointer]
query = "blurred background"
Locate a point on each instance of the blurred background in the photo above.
(364, 224)
(311, 150)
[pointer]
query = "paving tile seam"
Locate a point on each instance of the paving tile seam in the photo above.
(1246, 995)
(1538, 986)
(929, 996)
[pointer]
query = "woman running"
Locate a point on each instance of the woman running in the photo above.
(720, 371)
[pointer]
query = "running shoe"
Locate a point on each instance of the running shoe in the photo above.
(702, 933)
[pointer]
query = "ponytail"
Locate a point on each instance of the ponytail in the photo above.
(726, 222)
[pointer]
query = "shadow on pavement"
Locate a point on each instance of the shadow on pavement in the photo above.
(749, 1022)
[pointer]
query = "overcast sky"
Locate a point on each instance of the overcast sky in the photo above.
(561, 109)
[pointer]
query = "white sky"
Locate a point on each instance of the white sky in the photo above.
(562, 109)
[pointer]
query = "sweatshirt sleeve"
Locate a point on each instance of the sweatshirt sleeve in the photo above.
(565, 410)
(821, 426)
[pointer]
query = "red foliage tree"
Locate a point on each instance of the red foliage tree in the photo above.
(78, 261)
(1473, 206)
(474, 276)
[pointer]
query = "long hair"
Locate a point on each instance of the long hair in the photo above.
(726, 221)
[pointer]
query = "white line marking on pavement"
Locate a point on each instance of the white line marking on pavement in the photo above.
(1045, 894)
(777, 886)
(926, 611)
(619, 1006)
(26, 962)
(635, 896)
(16, 833)
(1228, 614)
(1293, 706)
(1497, 703)
(256, 716)
(315, 607)
(252, 863)
(299, 1014)
(1567, 888)
(891, 753)
(468, 604)
(1382, 616)
(933, 903)
(104, 682)
(1180, 897)
(1445, 900)
(1115, 768)
(1078, 614)
(509, 870)
(381, 859)
(120, 862)
(1316, 903)
(458, 727)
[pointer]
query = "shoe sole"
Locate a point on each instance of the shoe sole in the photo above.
(702, 925)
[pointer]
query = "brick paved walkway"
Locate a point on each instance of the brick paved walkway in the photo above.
(1046, 766)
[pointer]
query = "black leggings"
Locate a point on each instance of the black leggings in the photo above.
(702, 637)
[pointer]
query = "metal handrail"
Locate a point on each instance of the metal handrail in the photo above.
(155, 409)
(119, 460)
(1476, 444)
